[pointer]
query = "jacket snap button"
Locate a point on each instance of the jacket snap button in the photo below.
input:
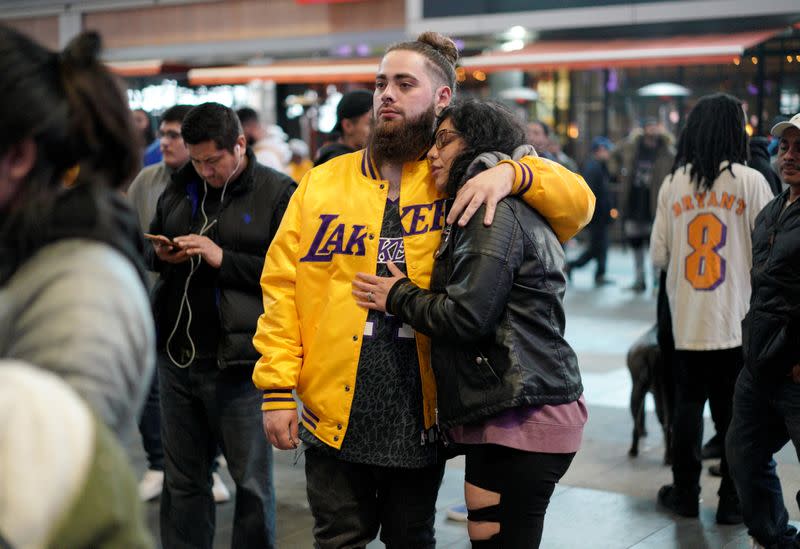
(355, 338)
(479, 360)
(371, 236)
(336, 438)
(346, 388)
(339, 426)
(382, 185)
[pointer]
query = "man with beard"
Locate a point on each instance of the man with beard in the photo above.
(368, 392)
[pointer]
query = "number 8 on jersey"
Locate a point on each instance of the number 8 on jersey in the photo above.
(705, 268)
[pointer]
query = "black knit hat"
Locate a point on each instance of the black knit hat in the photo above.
(352, 105)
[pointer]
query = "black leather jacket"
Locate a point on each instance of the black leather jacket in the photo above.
(496, 316)
(769, 331)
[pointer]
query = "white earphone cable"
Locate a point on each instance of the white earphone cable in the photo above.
(194, 267)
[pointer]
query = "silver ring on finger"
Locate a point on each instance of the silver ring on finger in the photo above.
(370, 297)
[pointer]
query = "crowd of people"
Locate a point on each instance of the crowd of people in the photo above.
(397, 304)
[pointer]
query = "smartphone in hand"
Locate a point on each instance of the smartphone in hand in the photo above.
(161, 239)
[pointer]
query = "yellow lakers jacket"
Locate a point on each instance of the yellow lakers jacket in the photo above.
(309, 335)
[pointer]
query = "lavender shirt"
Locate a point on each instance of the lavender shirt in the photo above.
(548, 429)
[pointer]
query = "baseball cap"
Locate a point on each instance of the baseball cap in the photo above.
(778, 129)
(602, 141)
(352, 105)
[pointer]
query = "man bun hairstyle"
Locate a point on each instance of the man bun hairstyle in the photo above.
(100, 126)
(76, 113)
(440, 51)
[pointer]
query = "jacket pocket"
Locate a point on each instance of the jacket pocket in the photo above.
(766, 343)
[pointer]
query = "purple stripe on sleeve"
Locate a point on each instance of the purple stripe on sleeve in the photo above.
(527, 179)
(278, 399)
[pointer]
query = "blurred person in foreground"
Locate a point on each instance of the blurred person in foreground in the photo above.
(353, 124)
(706, 212)
(509, 391)
(213, 223)
(66, 479)
(595, 172)
(766, 404)
(73, 297)
(364, 379)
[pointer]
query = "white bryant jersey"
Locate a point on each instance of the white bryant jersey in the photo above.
(703, 240)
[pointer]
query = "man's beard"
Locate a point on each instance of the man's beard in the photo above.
(399, 143)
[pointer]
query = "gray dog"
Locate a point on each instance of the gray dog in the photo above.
(650, 373)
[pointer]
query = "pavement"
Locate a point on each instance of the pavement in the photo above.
(606, 500)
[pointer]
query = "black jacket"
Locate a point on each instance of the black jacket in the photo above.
(253, 206)
(496, 316)
(770, 339)
(332, 150)
(595, 172)
(759, 160)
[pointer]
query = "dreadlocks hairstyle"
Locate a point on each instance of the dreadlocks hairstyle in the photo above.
(441, 53)
(714, 133)
(484, 126)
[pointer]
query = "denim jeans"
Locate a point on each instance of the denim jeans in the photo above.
(701, 375)
(203, 407)
(350, 501)
(765, 417)
(150, 428)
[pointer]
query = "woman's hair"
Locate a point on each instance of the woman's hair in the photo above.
(75, 112)
(439, 50)
(714, 133)
(484, 126)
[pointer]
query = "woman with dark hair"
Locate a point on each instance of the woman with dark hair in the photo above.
(72, 279)
(701, 237)
(509, 388)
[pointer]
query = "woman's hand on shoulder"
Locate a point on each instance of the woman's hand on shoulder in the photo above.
(488, 187)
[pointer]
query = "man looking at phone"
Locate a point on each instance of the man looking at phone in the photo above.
(221, 211)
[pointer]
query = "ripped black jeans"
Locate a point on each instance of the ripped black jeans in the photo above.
(525, 482)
